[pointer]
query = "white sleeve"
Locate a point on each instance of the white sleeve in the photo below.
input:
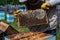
(22, 0)
(53, 2)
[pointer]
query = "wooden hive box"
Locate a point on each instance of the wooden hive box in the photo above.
(7, 29)
(32, 18)
(30, 36)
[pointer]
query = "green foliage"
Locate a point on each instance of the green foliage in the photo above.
(3, 2)
(13, 2)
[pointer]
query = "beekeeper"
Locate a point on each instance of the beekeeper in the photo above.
(53, 16)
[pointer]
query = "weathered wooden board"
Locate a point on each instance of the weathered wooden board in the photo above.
(5, 28)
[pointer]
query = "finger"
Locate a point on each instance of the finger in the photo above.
(43, 7)
(15, 14)
(47, 8)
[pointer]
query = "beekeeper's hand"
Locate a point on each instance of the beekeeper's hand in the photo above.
(3, 26)
(45, 5)
(16, 13)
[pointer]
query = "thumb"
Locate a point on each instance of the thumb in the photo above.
(47, 8)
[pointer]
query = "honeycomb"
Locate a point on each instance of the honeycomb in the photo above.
(32, 18)
(31, 36)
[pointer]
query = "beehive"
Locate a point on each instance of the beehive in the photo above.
(7, 29)
(32, 18)
(31, 36)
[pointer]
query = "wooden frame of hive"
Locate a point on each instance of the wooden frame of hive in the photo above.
(30, 36)
(32, 22)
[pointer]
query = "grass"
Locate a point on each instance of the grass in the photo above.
(57, 34)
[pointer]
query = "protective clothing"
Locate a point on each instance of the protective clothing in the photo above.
(45, 5)
(49, 3)
(53, 15)
(22, 0)
(53, 2)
